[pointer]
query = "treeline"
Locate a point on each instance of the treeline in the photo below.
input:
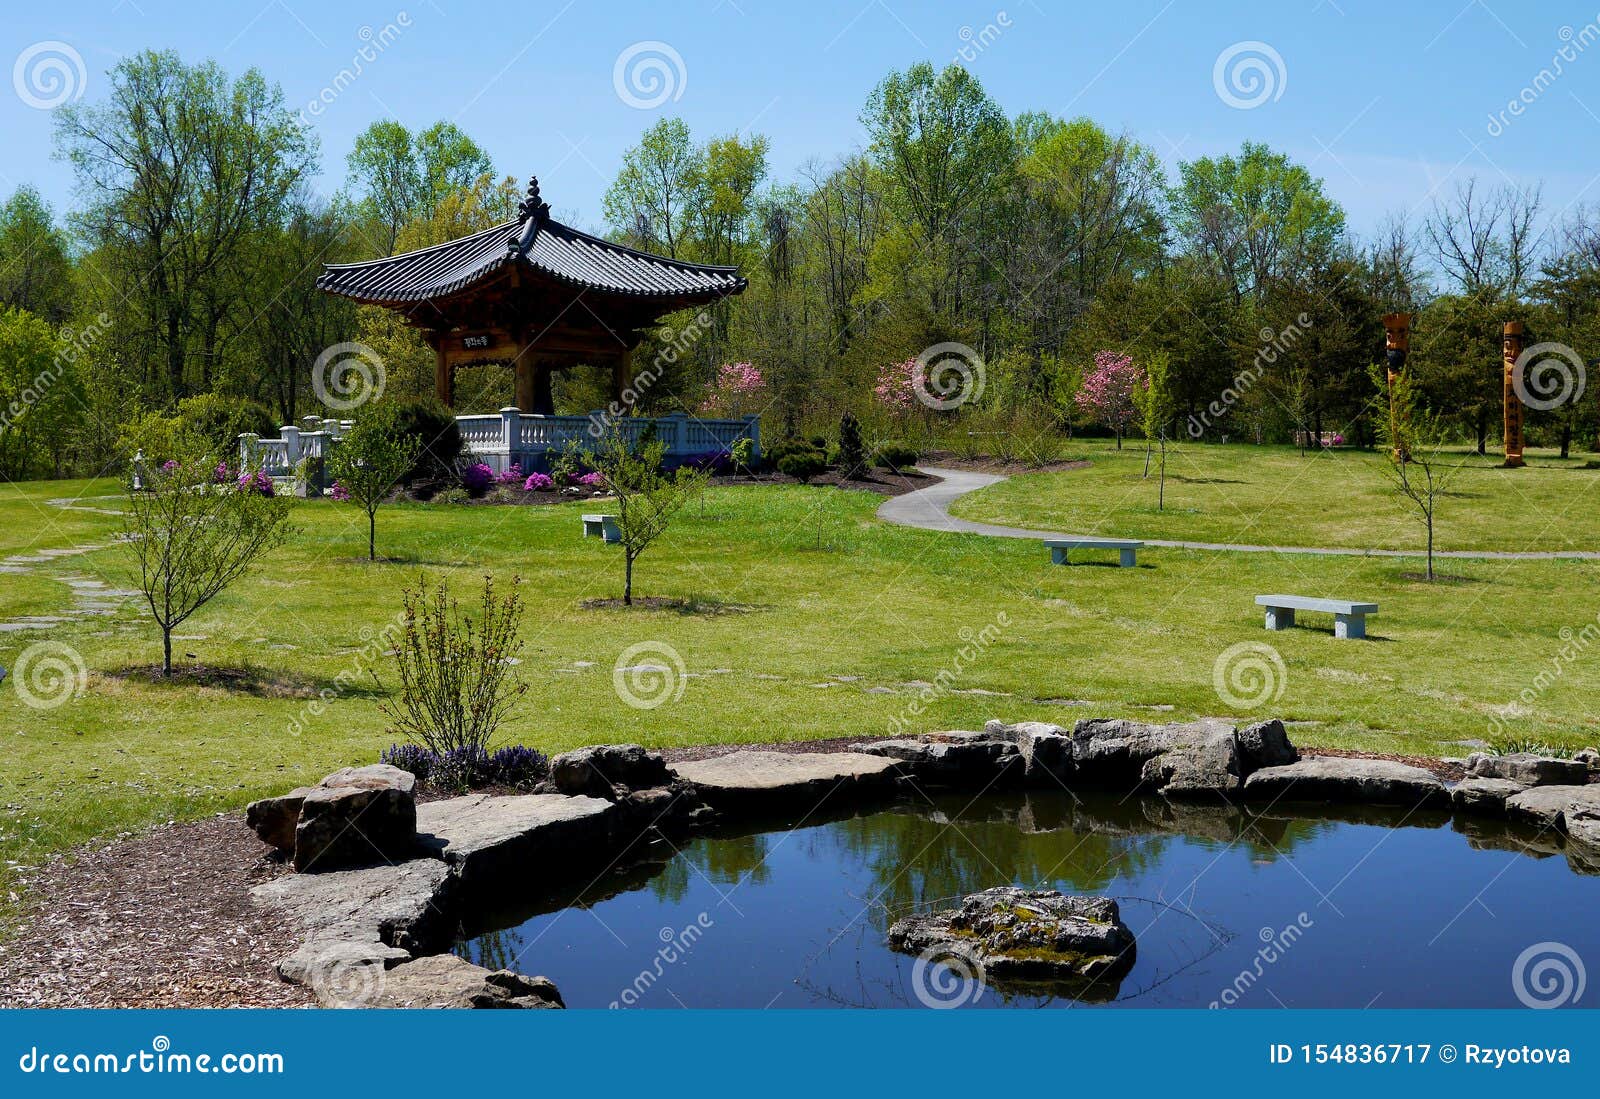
(184, 275)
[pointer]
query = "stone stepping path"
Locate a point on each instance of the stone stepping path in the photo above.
(91, 596)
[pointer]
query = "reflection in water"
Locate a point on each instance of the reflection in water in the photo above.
(797, 916)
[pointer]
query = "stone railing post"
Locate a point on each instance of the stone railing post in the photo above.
(510, 435)
(249, 447)
(291, 444)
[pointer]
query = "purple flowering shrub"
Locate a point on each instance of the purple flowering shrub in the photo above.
(517, 766)
(538, 482)
(477, 478)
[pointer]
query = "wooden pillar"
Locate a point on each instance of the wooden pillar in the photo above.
(525, 368)
(544, 402)
(621, 377)
(1510, 350)
(444, 377)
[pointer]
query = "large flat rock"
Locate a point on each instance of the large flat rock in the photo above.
(408, 906)
(1550, 806)
(492, 842)
(1529, 769)
(1485, 796)
(1336, 779)
(446, 981)
(767, 778)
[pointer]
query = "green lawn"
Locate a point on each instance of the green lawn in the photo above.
(788, 641)
(1278, 496)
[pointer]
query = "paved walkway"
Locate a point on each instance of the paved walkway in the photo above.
(929, 509)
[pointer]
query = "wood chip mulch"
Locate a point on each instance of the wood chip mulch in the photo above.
(164, 918)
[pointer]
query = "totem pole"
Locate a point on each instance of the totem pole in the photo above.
(1510, 350)
(1397, 342)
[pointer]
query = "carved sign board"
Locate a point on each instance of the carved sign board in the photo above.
(477, 341)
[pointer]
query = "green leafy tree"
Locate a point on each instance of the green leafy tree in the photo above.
(397, 177)
(645, 498)
(852, 448)
(190, 536)
(1418, 462)
(1157, 402)
(35, 269)
(369, 462)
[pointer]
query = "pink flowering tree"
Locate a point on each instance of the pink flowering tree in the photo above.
(737, 388)
(897, 385)
(1106, 395)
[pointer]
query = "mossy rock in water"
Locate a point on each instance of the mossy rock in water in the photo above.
(1038, 938)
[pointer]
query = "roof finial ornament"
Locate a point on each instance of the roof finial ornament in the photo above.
(534, 206)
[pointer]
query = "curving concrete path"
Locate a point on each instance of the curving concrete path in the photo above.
(929, 509)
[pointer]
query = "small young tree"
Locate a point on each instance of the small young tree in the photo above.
(1157, 402)
(368, 463)
(456, 679)
(646, 497)
(1106, 394)
(852, 448)
(194, 529)
(1415, 439)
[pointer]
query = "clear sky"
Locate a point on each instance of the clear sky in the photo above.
(1387, 101)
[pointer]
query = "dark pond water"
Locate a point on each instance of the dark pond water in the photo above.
(1229, 909)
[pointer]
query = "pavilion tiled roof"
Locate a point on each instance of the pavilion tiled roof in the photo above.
(539, 242)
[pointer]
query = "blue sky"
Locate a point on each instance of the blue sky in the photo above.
(1389, 102)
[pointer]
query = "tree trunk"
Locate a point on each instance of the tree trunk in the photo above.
(166, 651)
(1566, 439)
(1482, 426)
(627, 581)
(1430, 545)
(372, 536)
(1147, 446)
(1161, 495)
(1119, 440)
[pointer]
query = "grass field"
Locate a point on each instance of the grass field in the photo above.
(1278, 496)
(785, 640)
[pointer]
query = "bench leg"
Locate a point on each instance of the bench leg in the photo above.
(1058, 556)
(1127, 558)
(1280, 618)
(1353, 626)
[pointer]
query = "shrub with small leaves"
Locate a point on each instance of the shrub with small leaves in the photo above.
(518, 766)
(409, 757)
(476, 478)
(803, 465)
(852, 450)
(539, 482)
(895, 456)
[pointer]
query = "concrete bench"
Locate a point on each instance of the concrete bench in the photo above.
(602, 526)
(1349, 619)
(1060, 547)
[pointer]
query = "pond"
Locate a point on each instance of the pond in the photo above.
(1228, 909)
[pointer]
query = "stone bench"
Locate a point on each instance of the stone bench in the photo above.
(1349, 618)
(602, 526)
(1060, 547)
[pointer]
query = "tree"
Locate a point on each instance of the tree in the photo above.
(397, 177)
(852, 449)
(40, 394)
(1157, 404)
(645, 497)
(1418, 465)
(193, 530)
(1106, 394)
(35, 271)
(368, 462)
(182, 168)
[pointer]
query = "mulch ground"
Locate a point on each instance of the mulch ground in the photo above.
(164, 918)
